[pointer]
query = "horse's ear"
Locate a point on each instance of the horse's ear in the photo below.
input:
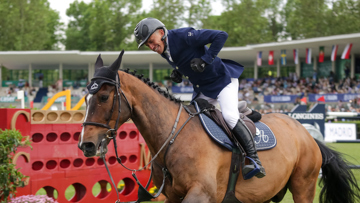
(99, 62)
(115, 66)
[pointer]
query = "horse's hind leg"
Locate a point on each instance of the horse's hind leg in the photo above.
(303, 183)
(303, 190)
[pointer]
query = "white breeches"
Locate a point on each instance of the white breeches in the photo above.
(228, 100)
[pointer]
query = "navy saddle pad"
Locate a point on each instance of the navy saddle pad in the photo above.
(264, 138)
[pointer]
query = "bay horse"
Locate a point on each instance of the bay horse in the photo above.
(199, 168)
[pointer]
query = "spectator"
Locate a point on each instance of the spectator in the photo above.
(41, 81)
(59, 84)
(331, 77)
(84, 91)
(347, 71)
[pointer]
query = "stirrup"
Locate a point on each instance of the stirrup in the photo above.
(252, 170)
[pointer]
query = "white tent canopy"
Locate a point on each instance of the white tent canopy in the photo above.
(245, 55)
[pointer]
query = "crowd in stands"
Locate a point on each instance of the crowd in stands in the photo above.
(252, 91)
(13, 89)
(289, 86)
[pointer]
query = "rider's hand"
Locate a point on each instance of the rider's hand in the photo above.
(197, 65)
(176, 76)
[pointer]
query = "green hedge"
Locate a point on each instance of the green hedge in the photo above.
(10, 177)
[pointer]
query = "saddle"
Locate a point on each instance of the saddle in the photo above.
(247, 115)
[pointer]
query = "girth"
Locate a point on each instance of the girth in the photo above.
(237, 161)
(237, 158)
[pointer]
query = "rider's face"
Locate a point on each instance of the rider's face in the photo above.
(155, 43)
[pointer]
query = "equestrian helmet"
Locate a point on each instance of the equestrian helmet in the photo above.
(145, 28)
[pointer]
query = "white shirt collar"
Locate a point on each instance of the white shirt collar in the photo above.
(167, 51)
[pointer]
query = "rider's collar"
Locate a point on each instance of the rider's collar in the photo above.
(167, 49)
(165, 44)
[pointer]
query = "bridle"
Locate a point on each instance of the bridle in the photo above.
(112, 131)
(143, 194)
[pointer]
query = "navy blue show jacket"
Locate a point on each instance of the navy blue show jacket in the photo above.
(188, 43)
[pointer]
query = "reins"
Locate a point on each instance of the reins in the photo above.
(163, 146)
(143, 194)
(112, 131)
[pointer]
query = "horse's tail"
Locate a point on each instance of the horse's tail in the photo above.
(339, 183)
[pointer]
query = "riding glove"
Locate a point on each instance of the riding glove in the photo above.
(197, 65)
(176, 76)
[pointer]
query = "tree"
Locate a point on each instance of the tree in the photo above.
(130, 43)
(306, 19)
(77, 32)
(101, 24)
(243, 21)
(170, 12)
(274, 13)
(344, 17)
(196, 12)
(28, 25)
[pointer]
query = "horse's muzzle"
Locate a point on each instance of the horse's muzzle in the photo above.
(88, 148)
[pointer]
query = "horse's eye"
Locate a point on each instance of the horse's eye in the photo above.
(103, 98)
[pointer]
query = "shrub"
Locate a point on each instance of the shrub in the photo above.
(10, 177)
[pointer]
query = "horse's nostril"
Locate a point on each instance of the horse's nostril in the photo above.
(89, 146)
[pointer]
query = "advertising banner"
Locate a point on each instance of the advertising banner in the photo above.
(7, 99)
(340, 131)
(315, 116)
(333, 97)
(10, 99)
(280, 98)
(7, 83)
(71, 83)
(183, 89)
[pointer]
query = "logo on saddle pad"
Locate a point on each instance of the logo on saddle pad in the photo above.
(260, 136)
(94, 86)
(264, 138)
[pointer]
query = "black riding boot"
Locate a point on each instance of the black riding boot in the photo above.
(243, 135)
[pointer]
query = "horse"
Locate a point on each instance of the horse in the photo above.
(198, 167)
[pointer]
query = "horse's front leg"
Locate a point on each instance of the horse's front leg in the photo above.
(201, 193)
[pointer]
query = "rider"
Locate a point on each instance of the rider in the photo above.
(213, 79)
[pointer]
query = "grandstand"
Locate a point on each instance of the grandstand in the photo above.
(43, 73)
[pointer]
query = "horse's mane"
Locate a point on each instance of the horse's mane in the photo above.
(156, 87)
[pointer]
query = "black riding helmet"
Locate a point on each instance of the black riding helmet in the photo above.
(145, 28)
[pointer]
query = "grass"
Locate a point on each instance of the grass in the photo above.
(351, 151)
